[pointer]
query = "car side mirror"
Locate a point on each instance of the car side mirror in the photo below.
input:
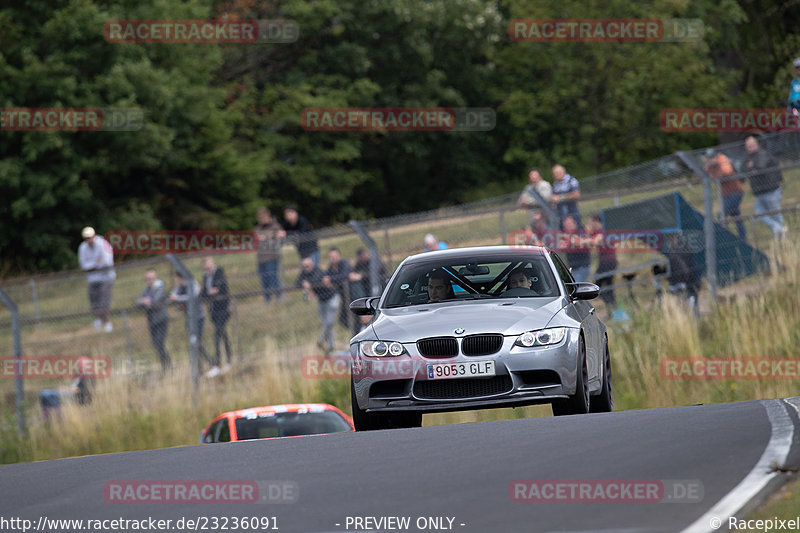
(364, 306)
(583, 291)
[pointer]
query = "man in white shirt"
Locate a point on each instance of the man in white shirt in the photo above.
(538, 185)
(96, 257)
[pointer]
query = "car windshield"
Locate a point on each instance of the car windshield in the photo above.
(513, 276)
(289, 425)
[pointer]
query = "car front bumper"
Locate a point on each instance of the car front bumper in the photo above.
(523, 376)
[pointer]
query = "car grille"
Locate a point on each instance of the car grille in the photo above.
(438, 347)
(481, 344)
(450, 389)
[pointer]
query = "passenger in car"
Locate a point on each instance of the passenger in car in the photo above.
(518, 279)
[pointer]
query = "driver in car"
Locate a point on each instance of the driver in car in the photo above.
(439, 287)
(518, 279)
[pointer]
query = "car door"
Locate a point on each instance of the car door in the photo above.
(590, 324)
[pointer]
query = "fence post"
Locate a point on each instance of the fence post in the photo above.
(375, 255)
(503, 234)
(236, 324)
(708, 223)
(192, 312)
(128, 343)
(17, 336)
(35, 296)
(388, 246)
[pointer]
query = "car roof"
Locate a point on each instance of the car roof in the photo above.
(474, 253)
(279, 408)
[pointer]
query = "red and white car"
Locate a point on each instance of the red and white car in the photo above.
(272, 421)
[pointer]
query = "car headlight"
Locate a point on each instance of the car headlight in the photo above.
(542, 337)
(382, 348)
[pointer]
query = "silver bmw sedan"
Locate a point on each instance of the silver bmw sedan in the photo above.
(475, 328)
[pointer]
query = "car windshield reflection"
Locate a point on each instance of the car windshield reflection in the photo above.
(456, 280)
(270, 425)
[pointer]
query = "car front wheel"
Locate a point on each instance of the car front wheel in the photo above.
(604, 402)
(578, 403)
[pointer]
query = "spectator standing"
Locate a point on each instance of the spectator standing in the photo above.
(298, 230)
(718, 167)
(154, 301)
(577, 251)
(566, 192)
(537, 185)
(431, 243)
(539, 231)
(765, 181)
(269, 235)
(180, 294)
(606, 260)
(96, 257)
(340, 273)
(215, 292)
(362, 269)
(794, 89)
(684, 278)
(315, 283)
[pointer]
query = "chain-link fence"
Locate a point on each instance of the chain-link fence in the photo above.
(55, 317)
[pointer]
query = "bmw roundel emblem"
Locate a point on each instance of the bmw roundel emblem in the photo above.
(459, 331)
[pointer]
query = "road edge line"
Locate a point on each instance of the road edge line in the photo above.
(776, 451)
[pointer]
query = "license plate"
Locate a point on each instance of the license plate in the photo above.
(460, 370)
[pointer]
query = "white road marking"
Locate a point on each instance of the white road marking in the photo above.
(777, 449)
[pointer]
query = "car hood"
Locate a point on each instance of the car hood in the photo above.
(509, 317)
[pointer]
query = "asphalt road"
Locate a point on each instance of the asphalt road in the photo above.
(466, 473)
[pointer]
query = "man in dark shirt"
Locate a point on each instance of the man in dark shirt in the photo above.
(154, 301)
(298, 230)
(215, 291)
(363, 258)
(315, 283)
(566, 192)
(765, 180)
(606, 260)
(269, 235)
(577, 249)
(684, 277)
(340, 273)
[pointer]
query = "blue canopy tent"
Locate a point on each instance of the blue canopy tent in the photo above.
(672, 214)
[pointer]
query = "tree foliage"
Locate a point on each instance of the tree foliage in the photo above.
(222, 133)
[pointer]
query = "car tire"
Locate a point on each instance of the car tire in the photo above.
(364, 421)
(604, 402)
(577, 404)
